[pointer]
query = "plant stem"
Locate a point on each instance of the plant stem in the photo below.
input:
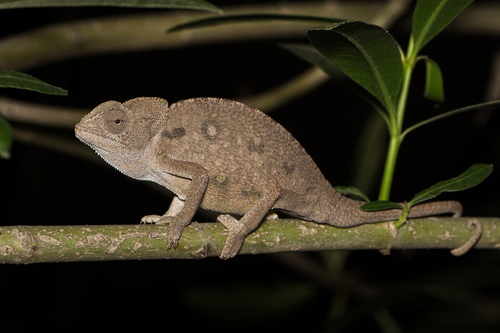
(390, 165)
(408, 65)
(396, 128)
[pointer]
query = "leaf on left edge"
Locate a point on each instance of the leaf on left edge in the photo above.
(13, 79)
(5, 138)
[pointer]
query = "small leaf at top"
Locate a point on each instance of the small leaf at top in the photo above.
(178, 4)
(380, 205)
(12, 79)
(5, 138)
(433, 81)
(432, 16)
(367, 54)
(245, 18)
(470, 178)
(352, 191)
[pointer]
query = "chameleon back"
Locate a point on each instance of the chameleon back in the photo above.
(244, 151)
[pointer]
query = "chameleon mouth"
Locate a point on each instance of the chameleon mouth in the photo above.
(100, 144)
(83, 135)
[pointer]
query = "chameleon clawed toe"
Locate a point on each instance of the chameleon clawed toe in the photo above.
(235, 238)
(150, 218)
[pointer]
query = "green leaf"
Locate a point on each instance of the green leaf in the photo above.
(353, 191)
(178, 4)
(312, 56)
(432, 16)
(12, 79)
(5, 138)
(367, 54)
(380, 205)
(470, 178)
(433, 81)
(242, 18)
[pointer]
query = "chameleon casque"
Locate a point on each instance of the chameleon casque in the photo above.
(224, 156)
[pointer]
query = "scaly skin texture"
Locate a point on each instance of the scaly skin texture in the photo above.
(223, 156)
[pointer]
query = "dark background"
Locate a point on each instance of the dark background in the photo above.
(422, 290)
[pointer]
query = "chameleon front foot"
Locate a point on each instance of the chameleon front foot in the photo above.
(150, 219)
(236, 237)
(175, 227)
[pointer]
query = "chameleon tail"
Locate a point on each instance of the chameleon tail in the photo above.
(345, 212)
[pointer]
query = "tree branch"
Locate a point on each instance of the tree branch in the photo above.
(32, 244)
(44, 115)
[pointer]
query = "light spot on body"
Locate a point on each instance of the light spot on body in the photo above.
(210, 129)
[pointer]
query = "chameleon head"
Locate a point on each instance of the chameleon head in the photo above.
(120, 133)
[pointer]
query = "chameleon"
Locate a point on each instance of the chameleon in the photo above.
(224, 156)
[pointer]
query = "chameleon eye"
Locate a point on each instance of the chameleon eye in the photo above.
(116, 121)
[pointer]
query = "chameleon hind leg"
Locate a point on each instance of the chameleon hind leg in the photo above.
(239, 229)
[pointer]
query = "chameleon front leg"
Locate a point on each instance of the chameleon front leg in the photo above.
(238, 230)
(180, 214)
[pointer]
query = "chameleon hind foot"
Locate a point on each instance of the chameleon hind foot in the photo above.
(236, 237)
